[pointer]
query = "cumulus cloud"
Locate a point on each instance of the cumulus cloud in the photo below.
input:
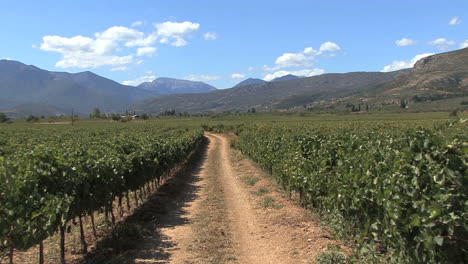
(137, 23)
(302, 59)
(305, 73)
(405, 42)
(237, 76)
(442, 43)
(210, 36)
(120, 34)
(176, 32)
(293, 60)
(92, 52)
(464, 44)
(146, 51)
(455, 21)
(149, 40)
(398, 65)
(329, 46)
(201, 78)
(84, 52)
(311, 51)
(139, 80)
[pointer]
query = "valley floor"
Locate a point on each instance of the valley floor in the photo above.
(226, 211)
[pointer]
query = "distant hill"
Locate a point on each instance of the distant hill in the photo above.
(436, 83)
(249, 81)
(162, 86)
(22, 84)
(286, 78)
(271, 95)
(432, 81)
(37, 109)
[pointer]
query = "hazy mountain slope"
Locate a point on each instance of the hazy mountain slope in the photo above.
(37, 109)
(22, 84)
(163, 85)
(438, 77)
(249, 81)
(267, 95)
(103, 85)
(286, 78)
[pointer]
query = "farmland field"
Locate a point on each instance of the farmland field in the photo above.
(386, 187)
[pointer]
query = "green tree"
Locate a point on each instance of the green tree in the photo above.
(96, 113)
(3, 118)
(144, 116)
(32, 118)
(115, 117)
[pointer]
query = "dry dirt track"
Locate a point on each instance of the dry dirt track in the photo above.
(224, 210)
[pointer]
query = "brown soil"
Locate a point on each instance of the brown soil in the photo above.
(238, 215)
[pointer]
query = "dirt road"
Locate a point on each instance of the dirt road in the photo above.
(223, 209)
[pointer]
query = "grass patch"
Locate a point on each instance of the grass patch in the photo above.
(250, 180)
(332, 257)
(270, 202)
(262, 191)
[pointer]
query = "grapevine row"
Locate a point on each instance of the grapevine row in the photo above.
(49, 177)
(401, 192)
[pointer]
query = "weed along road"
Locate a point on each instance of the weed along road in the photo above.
(227, 211)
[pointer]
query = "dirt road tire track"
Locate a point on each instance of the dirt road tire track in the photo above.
(208, 214)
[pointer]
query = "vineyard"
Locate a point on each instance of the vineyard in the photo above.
(52, 176)
(398, 191)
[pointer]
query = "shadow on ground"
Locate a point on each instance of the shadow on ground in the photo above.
(138, 237)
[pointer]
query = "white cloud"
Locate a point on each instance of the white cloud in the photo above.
(137, 23)
(442, 43)
(304, 58)
(120, 68)
(455, 21)
(329, 46)
(305, 73)
(176, 32)
(201, 78)
(84, 52)
(250, 68)
(310, 51)
(146, 51)
(210, 36)
(149, 40)
(464, 44)
(120, 33)
(293, 60)
(398, 65)
(237, 76)
(100, 50)
(142, 79)
(405, 42)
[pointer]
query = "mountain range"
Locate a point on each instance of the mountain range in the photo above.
(270, 95)
(249, 81)
(436, 82)
(163, 85)
(29, 89)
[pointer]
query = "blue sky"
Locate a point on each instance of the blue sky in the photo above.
(224, 42)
